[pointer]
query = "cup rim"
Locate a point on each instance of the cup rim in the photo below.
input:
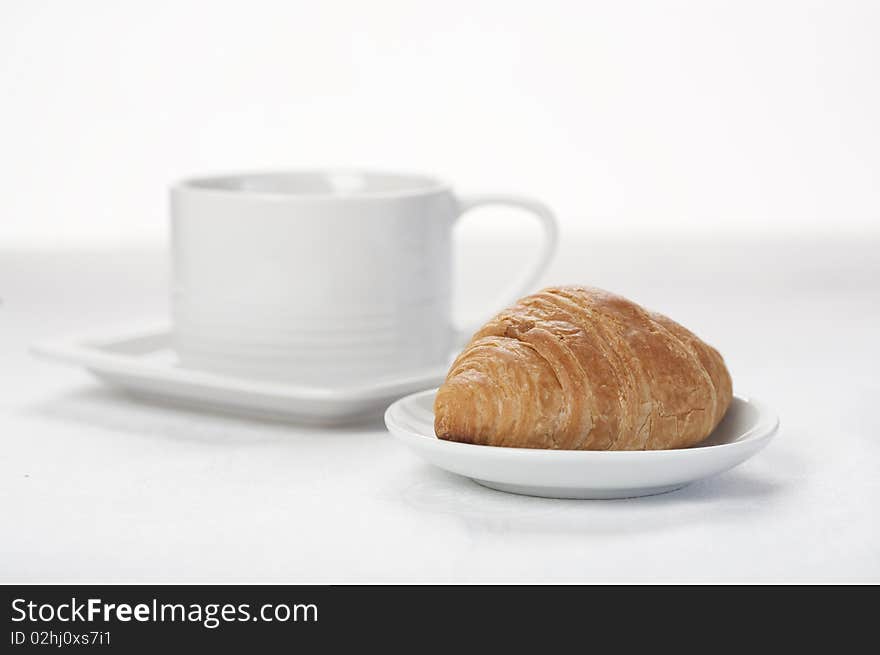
(223, 184)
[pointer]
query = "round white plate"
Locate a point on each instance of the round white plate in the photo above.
(746, 428)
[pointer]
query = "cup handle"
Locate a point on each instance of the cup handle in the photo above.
(533, 271)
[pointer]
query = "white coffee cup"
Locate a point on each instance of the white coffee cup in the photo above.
(322, 278)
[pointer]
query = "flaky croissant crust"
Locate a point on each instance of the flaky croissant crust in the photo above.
(579, 368)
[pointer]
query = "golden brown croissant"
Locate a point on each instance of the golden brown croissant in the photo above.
(582, 369)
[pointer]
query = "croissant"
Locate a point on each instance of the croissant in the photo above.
(578, 368)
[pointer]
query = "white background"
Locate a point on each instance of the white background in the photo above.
(660, 116)
(716, 161)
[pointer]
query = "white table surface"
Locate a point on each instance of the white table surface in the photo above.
(95, 487)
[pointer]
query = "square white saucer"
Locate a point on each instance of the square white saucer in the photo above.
(141, 362)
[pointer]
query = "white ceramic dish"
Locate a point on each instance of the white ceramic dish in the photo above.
(142, 363)
(746, 428)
